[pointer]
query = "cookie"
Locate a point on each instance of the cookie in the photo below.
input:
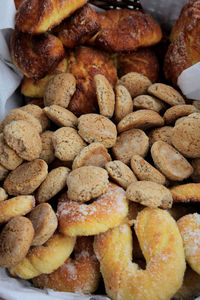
(123, 102)
(150, 194)
(178, 111)
(105, 95)
(67, 143)
(47, 152)
(130, 142)
(166, 93)
(94, 154)
(145, 171)
(120, 173)
(160, 134)
(148, 102)
(44, 221)
(87, 183)
(61, 116)
(24, 139)
(15, 241)
(52, 185)
(189, 192)
(135, 83)
(60, 89)
(3, 194)
(196, 169)
(97, 128)
(3, 172)
(142, 119)
(26, 178)
(170, 162)
(179, 120)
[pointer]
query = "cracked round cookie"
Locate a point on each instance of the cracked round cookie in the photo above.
(148, 102)
(123, 102)
(178, 111)
(61, 116)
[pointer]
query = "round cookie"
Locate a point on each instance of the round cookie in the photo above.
(47, 152)
(67, 143)
(179, 120)
(145, 171)
(166, 93)
(135, 83)
(3, 172)
(94, 154)
(150, 194)
(160, 134)
(61, 116)
(123, 102)
(142, 119)
(105, 95)
(170, 162)
(148, 102)
(60, 89)
(3, 194)
(44, 222)
(120, 173)
(23, 138)
(97, 128)
(26, 178)
(178, 111)
(133, 141)
(52, 185)
(15, 241)
(86, 183)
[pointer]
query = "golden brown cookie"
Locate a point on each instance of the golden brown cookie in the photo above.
(47, 152)
(178, 121)
(3, 194)
(186, 192)
(145, 171)
(94, 154)
(3, 172)
(170, 162)
(123, 102)
(142, 119)
(15, 241)
(67, 143)
(60, 89)
(178, 111)
(120, 173)
(86, 183)
(148, 102)
(26, 178)
(136, 83)
(61, 116)
(52, 185)
(196, 169)
(150, 194)
(160, 134)
(130, 142)
(23, 138)
(105, 95)
(166, 93)
(97, 128)
(44, 222)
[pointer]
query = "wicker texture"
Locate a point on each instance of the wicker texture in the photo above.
(117, 4)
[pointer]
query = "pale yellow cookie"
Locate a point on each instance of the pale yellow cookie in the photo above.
(160, 134)
(97, 128)
(22, 137)
(86, 183)
(123, 102)
(178, 111)
(105, 95)
(61, 116)
(148, 102)
(3, 194)
(142, 119)
(170, 162)
(120, 173)
(60, 89)
(3, 172)
(47, 152)
(130, 142)
(26, 178)
(52, 185)
(94, 154)
(67, 143)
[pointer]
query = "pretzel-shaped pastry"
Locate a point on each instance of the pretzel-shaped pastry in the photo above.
(162, 247)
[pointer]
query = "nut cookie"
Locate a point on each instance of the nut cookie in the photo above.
(130, 142)
(142, 119)
(105, 95)
(166, 93)
(123, 102)
(145, 171)
(61, 116)
(47, 152)
(8, 157)
(150, 194)
(3, 172)
(97, 128)
(86, 183)
(196, 169)
(24, 139)
(60, 89)
(15, 241)
(177, 111)
(148, 102)
(26, 178)
(94, 154)
(170, 162)
(67, 143)
(135, 83)
(160, 134)
(3, 194)
(53, 184)
(44, 222)
(120, 173)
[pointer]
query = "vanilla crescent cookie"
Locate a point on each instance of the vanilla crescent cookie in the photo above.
(123, 102)
(61, 116)
(162, 247)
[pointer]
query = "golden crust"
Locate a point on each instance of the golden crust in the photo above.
(186, 192)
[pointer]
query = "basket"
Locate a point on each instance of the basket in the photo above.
(117, 4)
